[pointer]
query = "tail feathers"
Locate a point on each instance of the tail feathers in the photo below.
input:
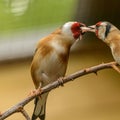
(42, 117)
(40, 107)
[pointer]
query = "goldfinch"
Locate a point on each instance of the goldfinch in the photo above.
(50, 60)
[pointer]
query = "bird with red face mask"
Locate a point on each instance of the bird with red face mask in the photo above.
(50, 60)
(109, 34)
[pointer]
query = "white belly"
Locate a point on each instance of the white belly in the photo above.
(51, 69)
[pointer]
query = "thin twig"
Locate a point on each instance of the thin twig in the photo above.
(25, 114)
(54, 85)
(115, 68)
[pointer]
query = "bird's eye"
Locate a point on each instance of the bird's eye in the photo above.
(97, 27)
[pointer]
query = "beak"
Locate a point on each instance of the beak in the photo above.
(92, 28)
(85, 29)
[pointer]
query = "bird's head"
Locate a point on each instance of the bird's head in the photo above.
(73, 29)
(102, 29)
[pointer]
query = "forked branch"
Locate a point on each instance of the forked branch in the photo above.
(20, 106)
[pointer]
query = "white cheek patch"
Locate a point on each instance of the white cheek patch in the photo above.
(101, 33)
(67, 29)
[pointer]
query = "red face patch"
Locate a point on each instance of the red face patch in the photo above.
(76, 29)
(98, 24)
(97, 27)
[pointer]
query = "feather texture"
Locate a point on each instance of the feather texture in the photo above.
(50, 61)
(109, 34)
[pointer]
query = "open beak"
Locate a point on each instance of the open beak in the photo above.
(85, 29)
(81, 31)
(88, 29)
(92, 28)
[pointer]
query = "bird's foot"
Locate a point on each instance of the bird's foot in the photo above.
(35, 92)
(38, 90)
(60, 81)
(32, 92)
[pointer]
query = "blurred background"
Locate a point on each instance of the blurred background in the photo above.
(23, 23)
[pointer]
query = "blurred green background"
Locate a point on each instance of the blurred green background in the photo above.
(28, 14)
(23, 23)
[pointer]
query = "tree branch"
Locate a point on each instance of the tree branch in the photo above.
(25, 114)
(19, 107)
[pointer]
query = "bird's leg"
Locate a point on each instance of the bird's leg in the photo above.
(60, 81)
(32, 92)
(36, 91)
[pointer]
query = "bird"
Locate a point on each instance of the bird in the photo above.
(50, 60)
(109, 34)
